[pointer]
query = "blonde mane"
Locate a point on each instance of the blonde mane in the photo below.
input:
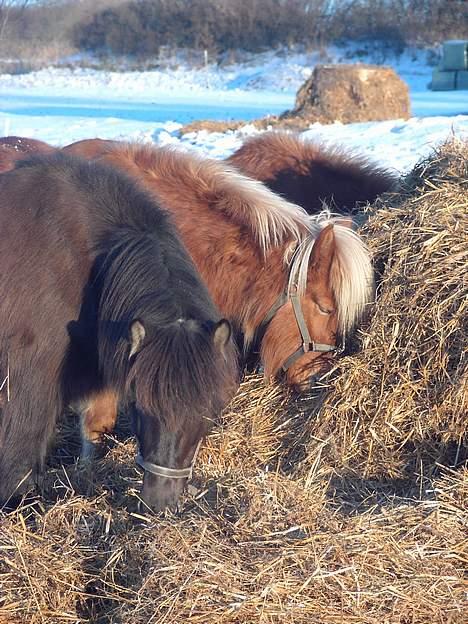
(271, 219)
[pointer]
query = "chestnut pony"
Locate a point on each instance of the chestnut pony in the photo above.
(289, 282)
(98, 298)
(310, 174)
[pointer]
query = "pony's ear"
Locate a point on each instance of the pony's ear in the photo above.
(323, 252)
(137, 336)
(346, 222)
(222, 334)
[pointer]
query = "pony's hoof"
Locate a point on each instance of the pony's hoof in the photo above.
(89, 452)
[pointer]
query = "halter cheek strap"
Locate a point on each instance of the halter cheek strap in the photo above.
(279, 303)
(307, 344)
(169, 473)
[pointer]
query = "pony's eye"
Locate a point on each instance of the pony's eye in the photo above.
(324, 310)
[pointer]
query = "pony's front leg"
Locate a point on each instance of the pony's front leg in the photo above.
(27, 424)
(98, 416)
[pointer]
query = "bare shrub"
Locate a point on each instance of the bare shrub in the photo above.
(401, 22)
(141, 27)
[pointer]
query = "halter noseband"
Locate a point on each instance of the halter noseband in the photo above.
(307, 344)
(169, 473)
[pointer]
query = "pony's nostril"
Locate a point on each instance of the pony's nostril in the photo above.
(313, 379)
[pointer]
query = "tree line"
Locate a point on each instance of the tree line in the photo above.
(141, 28)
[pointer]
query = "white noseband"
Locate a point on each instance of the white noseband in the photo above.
(169, 473)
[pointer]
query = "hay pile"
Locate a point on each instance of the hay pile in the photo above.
(405, 396)
(354, 512)
(351, 93)
(341, 92)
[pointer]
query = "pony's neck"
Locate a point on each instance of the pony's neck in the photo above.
(246, 288)
(243, 283)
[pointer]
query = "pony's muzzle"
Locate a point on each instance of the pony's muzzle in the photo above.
(313, 379)
(160, 493)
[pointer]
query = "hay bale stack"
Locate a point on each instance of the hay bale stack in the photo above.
(351, 93)
(306, 511)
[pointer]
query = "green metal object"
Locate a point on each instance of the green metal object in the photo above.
(455, 55)
(443, 80)
(462, 82)
(452, 72)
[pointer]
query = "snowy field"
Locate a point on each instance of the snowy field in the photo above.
(62, 105)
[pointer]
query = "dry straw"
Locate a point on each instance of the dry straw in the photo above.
(344, 507)
(404, 396)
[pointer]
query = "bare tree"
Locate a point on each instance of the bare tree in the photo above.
(9, 8)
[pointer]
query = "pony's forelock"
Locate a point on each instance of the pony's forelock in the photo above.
(352, 276)
(181, 372)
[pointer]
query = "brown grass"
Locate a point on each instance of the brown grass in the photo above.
(351, 513)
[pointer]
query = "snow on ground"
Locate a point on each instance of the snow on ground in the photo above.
(61, 105)
(395, 144)
(280, 71)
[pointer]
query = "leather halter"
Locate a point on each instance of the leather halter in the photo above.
(307, 344)
(169, 473)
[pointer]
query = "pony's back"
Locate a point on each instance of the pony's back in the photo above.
(311, 174)
(15, 148)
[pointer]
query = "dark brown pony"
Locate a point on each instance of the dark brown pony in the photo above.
(99, 302)
(311, 174)
(290, 283)
(15, 148)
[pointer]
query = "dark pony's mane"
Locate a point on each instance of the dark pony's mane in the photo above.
(178, 369)
(141, 271)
